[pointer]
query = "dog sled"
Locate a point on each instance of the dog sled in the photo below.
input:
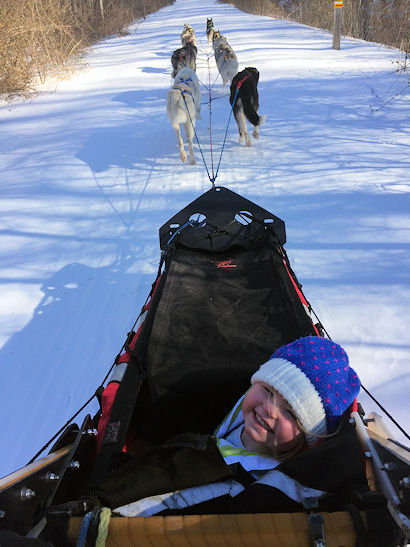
(224, 299)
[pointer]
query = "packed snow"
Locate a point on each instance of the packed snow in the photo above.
(90, 170)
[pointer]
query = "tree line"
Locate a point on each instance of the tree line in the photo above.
(48, 37)
(43, 37)
(383, 21)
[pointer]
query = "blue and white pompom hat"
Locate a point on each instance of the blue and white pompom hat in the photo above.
(314, 376)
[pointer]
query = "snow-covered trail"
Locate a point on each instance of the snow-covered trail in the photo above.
(90, 170)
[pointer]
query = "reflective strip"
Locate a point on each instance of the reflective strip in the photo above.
(291, 487)
(179, 499)
(187, 497)
(141, 319)
(253, 462)
(118, 373)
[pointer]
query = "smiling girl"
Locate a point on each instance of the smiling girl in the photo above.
(296, 399)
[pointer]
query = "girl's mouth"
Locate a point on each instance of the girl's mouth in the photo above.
(260, 421)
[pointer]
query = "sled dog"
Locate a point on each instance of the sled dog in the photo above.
(184, 107)
(210, 30)
(188, 35)
(246, 103)
(183, 57)
(225, 58)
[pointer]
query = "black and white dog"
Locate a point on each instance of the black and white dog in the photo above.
(225, 57)
(184, 57)
(244, 87)
(210, 30)
(184, 107)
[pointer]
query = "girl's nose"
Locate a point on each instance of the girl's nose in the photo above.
(271, 409)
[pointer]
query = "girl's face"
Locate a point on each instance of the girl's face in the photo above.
(269, 424)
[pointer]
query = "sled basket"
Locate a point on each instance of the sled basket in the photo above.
(225, 298)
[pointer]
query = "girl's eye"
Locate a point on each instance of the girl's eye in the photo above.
(291, 415)
(268, 391)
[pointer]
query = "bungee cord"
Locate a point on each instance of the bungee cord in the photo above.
(210, 117)
(213, 178)
(209, 88)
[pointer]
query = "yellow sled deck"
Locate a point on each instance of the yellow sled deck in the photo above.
(303, 529)
(262, 530)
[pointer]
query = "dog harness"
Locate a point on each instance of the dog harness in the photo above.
(238, 85)
(186, 82)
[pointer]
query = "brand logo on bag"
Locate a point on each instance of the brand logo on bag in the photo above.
(225, 264)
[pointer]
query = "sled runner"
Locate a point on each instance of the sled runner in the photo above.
(224, 299)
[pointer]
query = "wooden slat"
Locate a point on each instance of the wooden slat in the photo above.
(273, 530)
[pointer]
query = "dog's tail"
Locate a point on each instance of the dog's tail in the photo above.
(174, 103)
(250, 111)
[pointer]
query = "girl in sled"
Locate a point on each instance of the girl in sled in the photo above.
(279, 434)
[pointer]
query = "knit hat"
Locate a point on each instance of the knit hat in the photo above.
(314, 376)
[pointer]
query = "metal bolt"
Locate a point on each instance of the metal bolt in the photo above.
(405, 482)
(320, 543)
(26, 494)
(52, 477)
(92, 432)
(2, 514)
(75, 464)
(368, 455)
(390, 466)
(352, 421)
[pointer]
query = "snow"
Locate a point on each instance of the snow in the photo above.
(91, 170)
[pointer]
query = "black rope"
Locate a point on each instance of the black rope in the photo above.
(95, 394)
(60, 430)
(247, 216)
(193, 223)
(385, 411)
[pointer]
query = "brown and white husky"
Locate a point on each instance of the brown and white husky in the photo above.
(225, 58)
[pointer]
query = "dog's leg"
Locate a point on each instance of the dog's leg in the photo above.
(238, 121)
(189, 131)
(180, 144)
(244, 128)
(255, 132)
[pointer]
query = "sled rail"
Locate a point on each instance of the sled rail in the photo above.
(45, 462)
(389, 468)
(258, 530)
